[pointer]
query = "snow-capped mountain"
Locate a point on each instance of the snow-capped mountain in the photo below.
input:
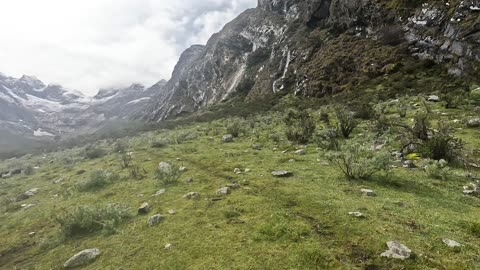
(32, 110)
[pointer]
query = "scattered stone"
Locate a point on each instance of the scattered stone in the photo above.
(301, 152)
(168, 246)
(192, 195)
(409, 164)
(433, 98)
(58, 181)
(284, 151)
(82, 258)
(223, 191)
(227, 138)
(155, 219)
(256, 147)
(183, 169)
(81, 172)
(451, 243)
(292, 160)
(368, 192)
(172, 212)
(31, 192)
(32, 234)
(26, 206)
(356, 214)
(237, 171)
(160, 192)
(189, 180)
(144, 208)
(473, 123)
(281, 173)
(247, 170)
(6, 175)
(396, 250)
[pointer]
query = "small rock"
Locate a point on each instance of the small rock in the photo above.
(183, 169)
(227, 138)
(237, 171)
(164, 167)
(143, 209)
(189, 180)
(247, 170)
(58, 181)
(368, 192)
(31, 192)
(409, 164)
(192, 195)
(26, 206)
(281, 173)
(396, 250)
(433, 98)
(160, 192)
(356, 214)
(168, 246)
(32, 234)
(473, 123)
(155, 219)
(82, 258)
(81, 172)
(301, 152)
(172, 212)
(256, 147)
(233, 186)
(291, 160)
(451, 243)
(223, 191)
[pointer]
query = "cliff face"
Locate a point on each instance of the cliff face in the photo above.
(317, 47)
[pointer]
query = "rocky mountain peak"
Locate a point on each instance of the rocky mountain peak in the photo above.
(31, 81)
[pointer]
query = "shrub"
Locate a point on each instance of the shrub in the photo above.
(364, 111)
(441, 144)
(158, 143)
(475, 96)
(300, 126)
(346, 123)
(438, 169)
(392, 35)
(93, 152)
(98, 180)
(358, 161)
(327, 139)
(120, 147)
(125, 160)
(29, 170)
(183, 136)
(137, 172)
(168, 175)
(235, 128)
(84, 220)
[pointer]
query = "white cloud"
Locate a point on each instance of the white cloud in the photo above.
(92, 44)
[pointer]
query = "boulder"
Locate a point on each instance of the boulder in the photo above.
(281, 173)
(368, 192)
(473, 123)
(223, 191)
(396, 250)
(144, 208)
(155, 219)
(451, 243)
(433, 98)
(83, 257)
(191, 195)
(227, 138)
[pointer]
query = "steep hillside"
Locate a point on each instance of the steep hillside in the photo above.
(320, 47)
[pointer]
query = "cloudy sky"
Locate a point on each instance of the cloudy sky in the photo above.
(92, 44)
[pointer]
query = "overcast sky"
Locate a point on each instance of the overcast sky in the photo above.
(91, 44)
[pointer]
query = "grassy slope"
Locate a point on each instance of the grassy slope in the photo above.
(300, 222)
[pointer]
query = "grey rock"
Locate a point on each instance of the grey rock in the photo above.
(433, 98)
(160, 192)
(183, 169)
(164, 167)
(368, 192)
(189, 180)
(82, 258)
(256, 147)
(172, 212)
(356, 214)
(227, 138)
(144, 208)
(155, 219)
(223, 191)
(451, 243)
(237, 171)
(473, 123)
(396, 250)
(32, 192)
(191, 195)
(301, 152)
(281, 173)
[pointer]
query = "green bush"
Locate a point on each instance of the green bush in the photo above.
(475, 96)
(359, 160)
(168, 175)
(84, 220)
(98, 180)
(93, 152)
(235, 128)
(346, 123)
(125, 160)
(120, 147)
(159, 143)
(300, 126)
(438, 169)
(327, 139)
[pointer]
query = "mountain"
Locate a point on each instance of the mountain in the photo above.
(319, 47)
(32, 112)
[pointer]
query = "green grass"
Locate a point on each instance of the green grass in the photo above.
(300, 222)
